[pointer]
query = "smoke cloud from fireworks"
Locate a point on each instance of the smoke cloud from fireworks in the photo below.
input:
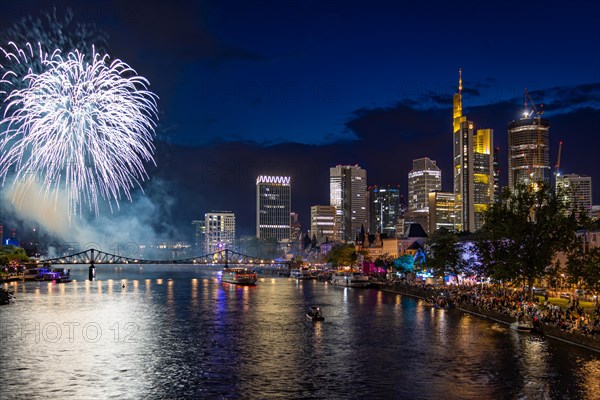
(83, 128)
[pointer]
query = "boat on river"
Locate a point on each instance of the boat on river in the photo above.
(239, 276)
(58, 275)
(302, 274)
(521, 325)
(442, 302)
(350, 279)
(314, 313)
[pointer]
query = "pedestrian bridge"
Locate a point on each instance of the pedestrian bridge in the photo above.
(224, 257)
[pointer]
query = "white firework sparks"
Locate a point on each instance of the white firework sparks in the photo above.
(82, 127)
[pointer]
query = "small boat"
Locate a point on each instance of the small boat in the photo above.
(521, 326)
(314, 313)
(442, 302)
(239, 276)
(429, 302)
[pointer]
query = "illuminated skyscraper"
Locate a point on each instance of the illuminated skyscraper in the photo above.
(348, 194)
(528, 158)
(442, 211)
(473, 168)
(384, 209)
(578, 191)
(322, 222)
(295, 226)
(273, 204)
(219, 231)
(424, 178)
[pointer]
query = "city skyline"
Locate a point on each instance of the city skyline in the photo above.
(253, 91)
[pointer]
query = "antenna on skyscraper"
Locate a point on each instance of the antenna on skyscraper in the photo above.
(460, 80)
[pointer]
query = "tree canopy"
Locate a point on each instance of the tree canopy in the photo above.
(522, 233)
(12, 253)
(586, 266)
(445, 255)
(342, 255)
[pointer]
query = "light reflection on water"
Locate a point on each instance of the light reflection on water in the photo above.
(177, 332)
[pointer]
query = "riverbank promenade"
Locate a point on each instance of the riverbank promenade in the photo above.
(572, 323)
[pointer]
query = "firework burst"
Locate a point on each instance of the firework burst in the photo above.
(85, 128)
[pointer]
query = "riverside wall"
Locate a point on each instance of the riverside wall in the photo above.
(591, 343)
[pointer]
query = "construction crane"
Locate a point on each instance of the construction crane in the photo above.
(539, 112)
(557, 166)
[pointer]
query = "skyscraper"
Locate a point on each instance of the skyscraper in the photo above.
(348, 194)
(384, 209)
(578, 191)
(322, 222)
(473, 168)
(442, 211)
(219, 231)
(528, 158)
(295, 226)
(199, 234)
(424, 177)
(497, 189)
(273, 204)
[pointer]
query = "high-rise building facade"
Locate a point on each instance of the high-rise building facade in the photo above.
(273, 205)
(219, 231)
(497, 189)
(322, 223)
(295, 226)
(473, 163)
(528, 151)
(384, 209)
(442, 211)
(424, 178)
(348, 194)
(578, 190)
(199, 234)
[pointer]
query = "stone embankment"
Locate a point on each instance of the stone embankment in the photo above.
(555, 332)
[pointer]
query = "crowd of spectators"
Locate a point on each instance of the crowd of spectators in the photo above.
(514, 303)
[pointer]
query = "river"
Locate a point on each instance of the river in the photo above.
(172, 332)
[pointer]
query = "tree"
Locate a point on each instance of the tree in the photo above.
(384, 261)
(522, 233)
(586, 266)
(445, 256)
(341, 255)
(12, 253)
(297, 262)
(404, 264)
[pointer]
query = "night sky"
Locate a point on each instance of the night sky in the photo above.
(295, 87)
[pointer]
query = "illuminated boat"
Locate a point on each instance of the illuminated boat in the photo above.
(521, 326)
(314, 313)
(34, 274)
(302, 274)
(442, 302)
(239, 276)
(59, 275)
(350, 279)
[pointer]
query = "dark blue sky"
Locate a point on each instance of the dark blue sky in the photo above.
(293, 87)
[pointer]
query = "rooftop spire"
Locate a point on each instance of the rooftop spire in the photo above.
(460, 80)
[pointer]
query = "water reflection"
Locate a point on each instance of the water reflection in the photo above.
(192, 336)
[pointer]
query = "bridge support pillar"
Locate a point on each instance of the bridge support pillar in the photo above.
(92, 272)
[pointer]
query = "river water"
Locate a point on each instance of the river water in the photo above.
(173, 332)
